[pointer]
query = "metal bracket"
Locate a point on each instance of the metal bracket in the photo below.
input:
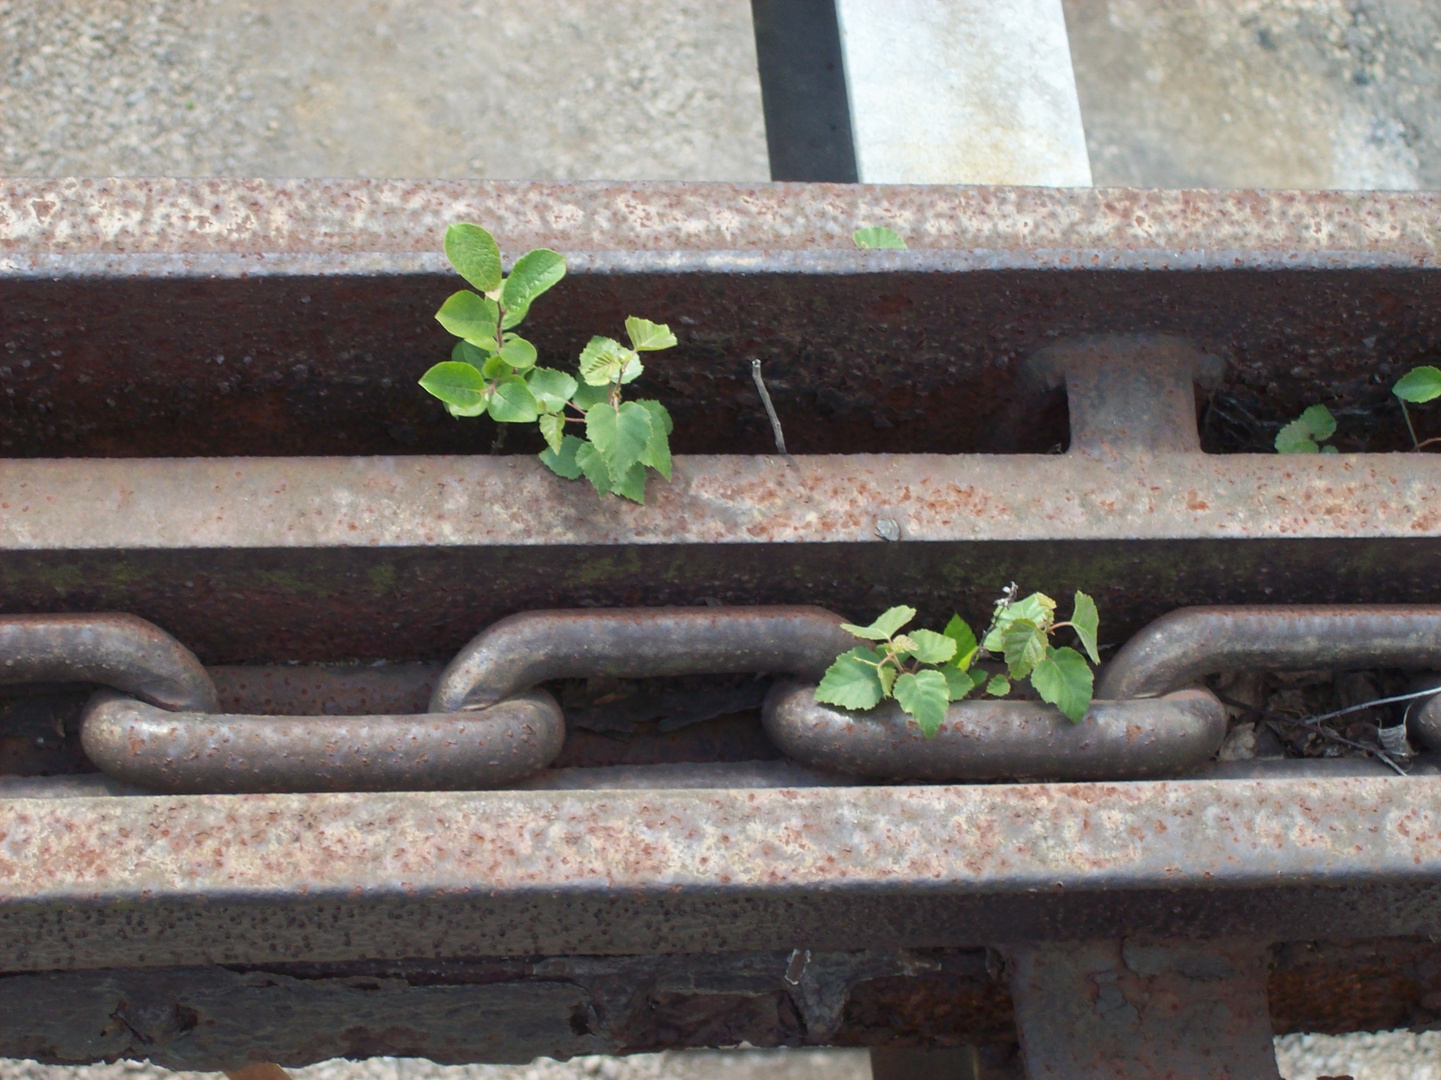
(1129, 1010)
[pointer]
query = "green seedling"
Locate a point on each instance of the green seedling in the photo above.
(492, 371)
(924, 671)
(877, 236)
(1419, 385)
(1307, 433)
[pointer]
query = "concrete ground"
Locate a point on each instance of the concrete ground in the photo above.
(1225, 93)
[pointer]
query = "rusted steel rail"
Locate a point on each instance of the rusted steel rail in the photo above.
(1068, 389)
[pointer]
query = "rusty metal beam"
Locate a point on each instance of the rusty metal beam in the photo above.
(235, 879)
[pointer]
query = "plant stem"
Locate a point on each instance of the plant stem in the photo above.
(1415, 445)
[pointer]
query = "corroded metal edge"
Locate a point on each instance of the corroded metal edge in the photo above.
(243, 879)
(517, 1008)
(343, 216)
(424, 501)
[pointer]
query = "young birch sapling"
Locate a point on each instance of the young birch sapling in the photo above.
(925, 671)
(492, 371)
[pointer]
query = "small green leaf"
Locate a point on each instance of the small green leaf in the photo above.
(958, 683)
(1037, 608)
(1319, 422)
(1295, 438)
(1086, 621)
(512, 402)
(603, 360)
(925, 695)
(657, 448)
(552, 426)
(459, 411)
(562, 461)
(587, 396)
(852, 682)
(632, 484)
(931, 647)
(902, 645)
(518, 353)
(1024, 646)
(646, 336)
(494, 367)
(1329, 449)
(533, 273)
(619, 435)
(1419, 384)
(455, 383)
(885, 627)
(1064, 679)
(999, 686)
(474, 254)
(964, 637)
(466, 353)
(593, 465)
(468, 316)
(877, 236)
(551, 388)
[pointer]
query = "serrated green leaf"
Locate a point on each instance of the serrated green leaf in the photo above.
(1319, 422)
(877, 236)
(852, 682)
(925, 695)
(1295, 438)
(657, 448)
(455, 383)
(533, 273)
(887, 675)
(474, 254)
(632, 484)
(466, 353)
(885, 627)
(1064, 679)
(902, 645)
(646, 336)
(518, 353)
(958, 683)
(1086, 621)
(619, 435)
(999, 686)
(468, 316)
(1037, 608)
(586, 396)
(562, 461)
(1419, 384)
(593, 466)
(632, 371)
(552, 427)
(1024, 646)
(551, 388)
(931, 647)
(512, 401)
(603, 360)
(959, 631)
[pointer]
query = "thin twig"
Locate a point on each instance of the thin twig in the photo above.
(770, 408)
(1379, 701)
(1309, 724)
(1427, 442)
(498, 442)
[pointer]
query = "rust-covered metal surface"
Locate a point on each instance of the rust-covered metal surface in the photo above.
(515, 1008)
(174, 317)
(247, 879)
